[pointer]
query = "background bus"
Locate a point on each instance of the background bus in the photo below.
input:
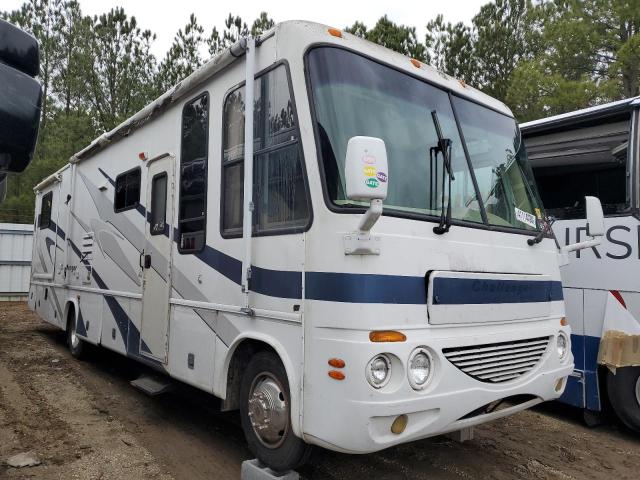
(595, 152)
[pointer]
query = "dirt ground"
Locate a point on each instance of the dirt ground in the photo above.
(84, 421)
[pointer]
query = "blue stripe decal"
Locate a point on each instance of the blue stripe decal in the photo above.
(276, 283)
(365, 288)
(464, 291)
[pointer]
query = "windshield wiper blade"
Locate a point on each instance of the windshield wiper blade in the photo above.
(444, 147)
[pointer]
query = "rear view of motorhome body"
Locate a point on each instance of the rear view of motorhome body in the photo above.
(595, 152)
(351, 271)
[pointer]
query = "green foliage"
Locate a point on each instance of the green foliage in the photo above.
(400, 38)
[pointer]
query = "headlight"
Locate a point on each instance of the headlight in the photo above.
(379, 371)
(420, 368)
(562, 345)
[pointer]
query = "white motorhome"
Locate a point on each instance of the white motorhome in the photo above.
(595, 152)
(351, 271)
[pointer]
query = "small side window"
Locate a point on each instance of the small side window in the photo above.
(194, 156)
(127, 191)
(158, 204)
(45, 211)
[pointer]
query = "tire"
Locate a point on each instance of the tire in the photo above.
(74, 342)
(624, 393)
(265, 403)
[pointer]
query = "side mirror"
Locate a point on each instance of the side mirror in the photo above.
(595, 229)
(366, 169)
(367, 178)
(595, 217)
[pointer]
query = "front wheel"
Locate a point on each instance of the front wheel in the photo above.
(265, 411)
(624, 394)
(74, 342)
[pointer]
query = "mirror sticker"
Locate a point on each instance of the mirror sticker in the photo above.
(371, 182)
(525, 217)
(370, 171)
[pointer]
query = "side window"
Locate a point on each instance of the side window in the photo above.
(193, 175)
(45, 211)
(280, 194)
(158, 204)
(127, 192)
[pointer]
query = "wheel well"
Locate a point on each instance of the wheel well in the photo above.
(71, 313)
(239, 361)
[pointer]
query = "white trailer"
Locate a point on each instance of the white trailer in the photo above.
(260, 264)
(595, 152)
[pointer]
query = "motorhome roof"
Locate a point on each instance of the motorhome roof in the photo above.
(309, 33)
(586, 114)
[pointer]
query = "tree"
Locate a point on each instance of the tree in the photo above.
(120, 76)
(450, 49)
(589, 54)
(505, 33)
(183, 57)
(400, 38)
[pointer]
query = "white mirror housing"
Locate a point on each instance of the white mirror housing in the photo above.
(366, 169)
(367, 178)
(595, 229)
(595, 217)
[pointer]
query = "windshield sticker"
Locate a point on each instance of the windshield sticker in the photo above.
(382, 176)
(370, 171)
(538, 213)
(371, 182)
(525, 217)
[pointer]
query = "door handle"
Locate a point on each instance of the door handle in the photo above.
(147, 261)
(140, 260)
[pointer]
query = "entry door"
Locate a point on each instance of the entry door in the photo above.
(155, 259)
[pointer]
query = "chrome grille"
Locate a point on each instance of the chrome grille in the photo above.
(498, 362)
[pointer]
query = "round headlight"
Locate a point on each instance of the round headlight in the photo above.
(420, 368)
(562, 344)
(379, 371)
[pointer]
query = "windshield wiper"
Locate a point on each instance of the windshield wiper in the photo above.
(444, 147)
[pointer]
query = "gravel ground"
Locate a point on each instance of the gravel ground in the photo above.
(84, 421)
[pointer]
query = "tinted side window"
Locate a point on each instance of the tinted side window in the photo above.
(127, 191)
(280, 194)
(193, 175)
(158, 204)
(45, 210)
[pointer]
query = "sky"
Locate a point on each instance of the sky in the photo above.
(165, 18)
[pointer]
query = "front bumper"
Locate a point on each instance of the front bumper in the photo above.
(353, 417)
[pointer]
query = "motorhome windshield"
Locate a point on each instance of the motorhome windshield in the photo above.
(353, 95)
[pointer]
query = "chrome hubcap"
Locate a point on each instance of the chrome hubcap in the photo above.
(638, 391)
(268, 410)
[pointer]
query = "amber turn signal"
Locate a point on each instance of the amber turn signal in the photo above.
(387, 336)
(564, 322)
(336, 362)
(336, 375)
(335, 32)
(416, 63)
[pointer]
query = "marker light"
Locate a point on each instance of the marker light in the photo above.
(335, 32)
(336, 362)
(387, 336)
(564, 322)
(416, 63)
(562, 345)
(420, 368)
(378, 371)
(336, 375)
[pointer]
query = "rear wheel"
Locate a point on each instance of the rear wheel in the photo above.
(75, 343)
(265, 410)
(624, 393)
